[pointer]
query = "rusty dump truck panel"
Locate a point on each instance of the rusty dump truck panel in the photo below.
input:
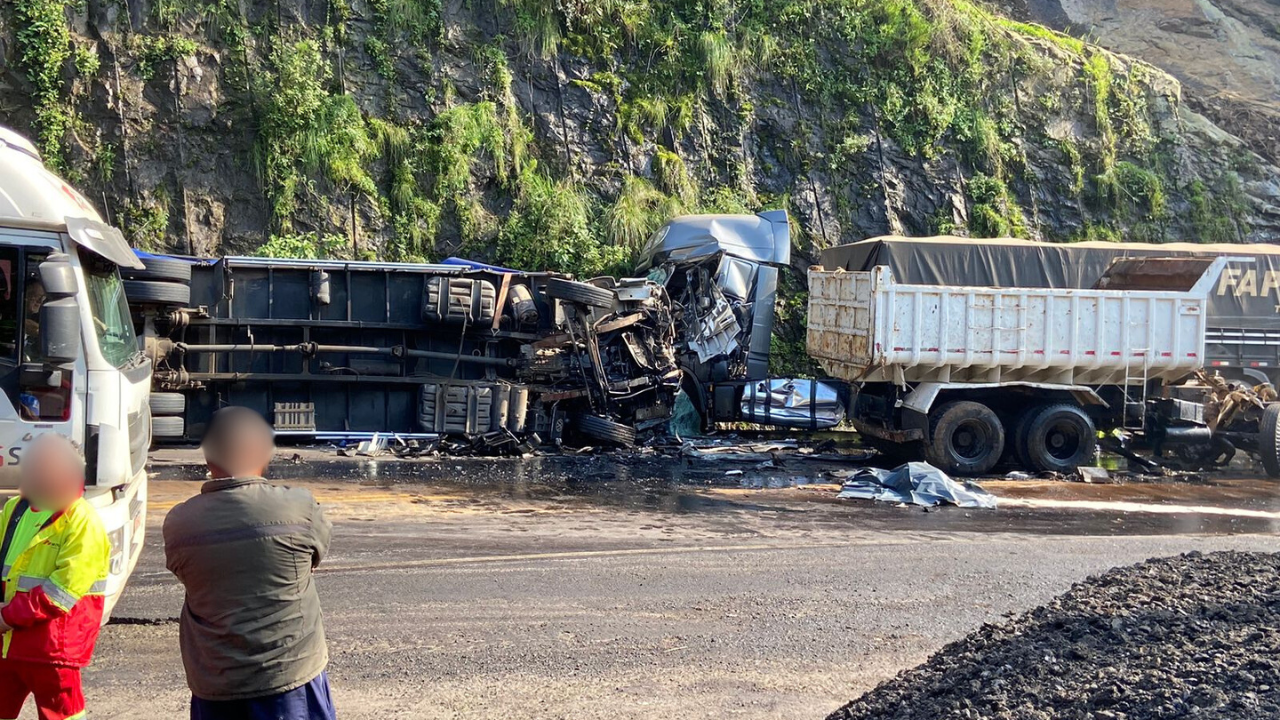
(866, 326)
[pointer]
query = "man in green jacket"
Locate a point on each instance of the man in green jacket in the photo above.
(251, 632)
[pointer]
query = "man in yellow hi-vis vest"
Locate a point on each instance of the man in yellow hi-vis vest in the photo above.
(56, 558)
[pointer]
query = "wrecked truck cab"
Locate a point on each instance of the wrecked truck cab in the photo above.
(763, 238)
(721, 272)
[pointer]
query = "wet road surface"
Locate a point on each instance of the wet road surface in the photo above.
(657, 587)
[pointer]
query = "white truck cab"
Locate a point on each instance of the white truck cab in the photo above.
(69, 357)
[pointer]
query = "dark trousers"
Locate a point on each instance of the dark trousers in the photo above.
(309, 702)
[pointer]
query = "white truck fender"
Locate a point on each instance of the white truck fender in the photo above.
(922, 397)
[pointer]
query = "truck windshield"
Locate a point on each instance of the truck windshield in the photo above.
(111, 319)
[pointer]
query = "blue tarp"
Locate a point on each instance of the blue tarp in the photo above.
(474, 265)
(145, 256)
(915, 483)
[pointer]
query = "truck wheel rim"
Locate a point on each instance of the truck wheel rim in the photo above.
(1063, 440)
(971, 441)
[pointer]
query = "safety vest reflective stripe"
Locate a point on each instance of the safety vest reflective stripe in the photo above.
(64, 599)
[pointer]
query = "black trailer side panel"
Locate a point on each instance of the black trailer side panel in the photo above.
(369, 307)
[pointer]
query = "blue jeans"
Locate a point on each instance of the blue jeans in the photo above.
(309, 702)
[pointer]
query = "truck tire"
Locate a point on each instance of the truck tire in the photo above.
(1269, 440)
(606, 430)
(965, 438)
(1060, 438)
(1016, 441)
(581, 293)
(153, 292)
(167, 404)
(167, 428)
(165, 269)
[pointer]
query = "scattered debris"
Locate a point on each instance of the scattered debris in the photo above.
(793, 402)
(1187, 636)
(761, 452)
(915, 483)
(1094, 474)
(374, 446)
(753, 452)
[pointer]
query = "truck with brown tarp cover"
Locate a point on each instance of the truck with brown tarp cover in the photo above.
(1243, 334)
(974, 353)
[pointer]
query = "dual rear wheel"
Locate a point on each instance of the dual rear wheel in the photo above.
(968, 438)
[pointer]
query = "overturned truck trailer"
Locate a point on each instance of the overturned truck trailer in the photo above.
(484, 358)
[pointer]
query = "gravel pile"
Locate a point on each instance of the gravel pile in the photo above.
(1195, 636)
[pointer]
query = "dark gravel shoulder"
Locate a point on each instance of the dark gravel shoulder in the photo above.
(1187, 636)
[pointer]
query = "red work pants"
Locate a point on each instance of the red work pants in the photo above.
(57, 690)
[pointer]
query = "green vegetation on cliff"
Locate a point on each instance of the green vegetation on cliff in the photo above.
(561, 133)
(44, 46)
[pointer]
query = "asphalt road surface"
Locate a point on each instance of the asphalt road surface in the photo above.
(482, 589)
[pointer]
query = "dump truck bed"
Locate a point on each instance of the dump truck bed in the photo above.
(867, 327)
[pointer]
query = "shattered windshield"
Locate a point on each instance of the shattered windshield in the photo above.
(111, 320)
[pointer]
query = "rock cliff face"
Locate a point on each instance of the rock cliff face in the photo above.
(1225, 52)
(559, 133)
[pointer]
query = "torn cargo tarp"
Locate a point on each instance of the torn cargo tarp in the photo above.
(914, 483)
(793, 402)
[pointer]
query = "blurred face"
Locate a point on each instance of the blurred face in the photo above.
(52, 474)
(239, 444)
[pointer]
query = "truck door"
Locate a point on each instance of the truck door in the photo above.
(11, 323)
(34, 397)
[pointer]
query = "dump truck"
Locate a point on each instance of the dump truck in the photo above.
(69, 357)
(1242, 336)
(970, 376)
(464, 356)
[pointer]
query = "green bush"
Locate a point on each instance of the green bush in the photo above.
(153, 50)
(551, 228)
(303, 246)
(304, 130)
(44, 46)
(639, 210)
(86, 60)
(993, 212)
(1131, 191)
(145, 220)
(1217, 213)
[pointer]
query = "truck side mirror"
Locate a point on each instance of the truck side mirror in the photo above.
(60, 330)
(58, 276)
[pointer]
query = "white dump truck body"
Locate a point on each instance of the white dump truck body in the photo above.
(867, 327)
